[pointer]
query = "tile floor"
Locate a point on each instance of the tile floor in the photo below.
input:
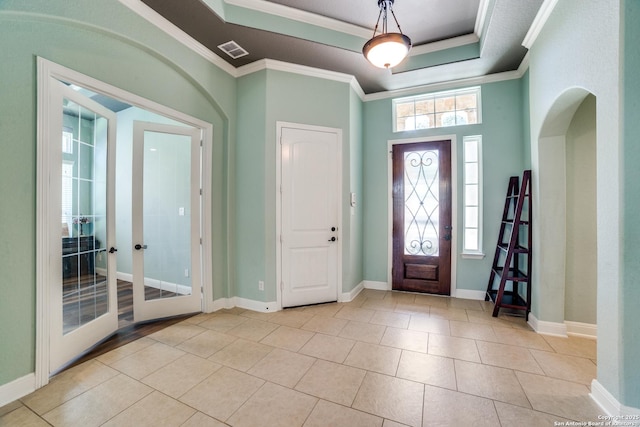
(384, 359)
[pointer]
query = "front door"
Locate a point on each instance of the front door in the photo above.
(84, 307)
(422, 217)
(166, 221)
(310, 240)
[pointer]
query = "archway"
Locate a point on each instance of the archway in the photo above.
(565, 258)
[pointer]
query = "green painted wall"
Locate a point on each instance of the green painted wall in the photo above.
(250, 181)
(526, 123)
(630, 89)
(501, 130)
(107, 41)
(265, 98)
(354, 268)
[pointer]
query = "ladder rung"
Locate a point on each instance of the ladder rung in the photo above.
(517, 250)
(518, 276)
(510, 221)
(509, 299)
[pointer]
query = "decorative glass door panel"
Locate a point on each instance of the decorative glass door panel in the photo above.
(422, 203)
(166, 220)
(83, 294)
(422, 217)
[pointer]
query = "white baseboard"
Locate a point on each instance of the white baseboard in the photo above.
(261, 306)
(568, 328)
(247, 304)
(583, 330)
(469, 294)
(17, 388)
(349, 296)
(220, 304)
(547, 328)
(379, 286)
(608, 403)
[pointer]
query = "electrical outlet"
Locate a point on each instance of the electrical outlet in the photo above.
(186, 272)
(260, 285)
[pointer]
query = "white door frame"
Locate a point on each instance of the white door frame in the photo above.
(454, 202)
(279, 126)
(48, 73)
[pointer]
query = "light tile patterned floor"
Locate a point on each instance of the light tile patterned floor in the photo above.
(385, 359)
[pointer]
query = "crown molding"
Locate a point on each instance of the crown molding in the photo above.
(539, 21)
(444, 44)
(483, 10)
(172, 30)
(271, 64)
(451, 84)
(524, 65)
(302, 16)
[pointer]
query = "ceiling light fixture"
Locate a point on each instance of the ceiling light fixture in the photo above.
(386, 50)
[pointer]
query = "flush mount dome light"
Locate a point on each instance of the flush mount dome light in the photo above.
(386, 50)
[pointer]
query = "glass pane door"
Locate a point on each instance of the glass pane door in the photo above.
(84, 292)
(166, 207)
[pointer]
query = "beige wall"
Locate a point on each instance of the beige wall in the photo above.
(581, 257)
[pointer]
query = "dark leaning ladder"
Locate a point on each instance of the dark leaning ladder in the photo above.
(511, 268)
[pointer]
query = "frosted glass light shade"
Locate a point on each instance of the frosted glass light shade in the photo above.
(387, 50)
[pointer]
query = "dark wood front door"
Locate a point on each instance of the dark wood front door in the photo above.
(422, 217)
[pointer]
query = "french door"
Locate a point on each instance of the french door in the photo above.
(422, 217)
(83, 294)
(310, 194)
(166, 220)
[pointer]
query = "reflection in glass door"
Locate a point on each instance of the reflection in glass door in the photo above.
(84, 300)
(166, 220)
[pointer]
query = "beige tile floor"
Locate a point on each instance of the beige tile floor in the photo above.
(384, 359)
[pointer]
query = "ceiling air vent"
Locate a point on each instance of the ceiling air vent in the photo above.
(233, 49)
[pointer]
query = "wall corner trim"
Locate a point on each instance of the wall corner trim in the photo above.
(380, 286)
(547, 328)
(469, 294)
(17, 388)
(349, 296)
(608, 403)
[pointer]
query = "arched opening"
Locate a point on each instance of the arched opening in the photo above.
(565, 271)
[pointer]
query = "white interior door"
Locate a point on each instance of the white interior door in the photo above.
(310, 194)
(83, 291)
(166, 220)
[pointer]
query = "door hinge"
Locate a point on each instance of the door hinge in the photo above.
(201, 240)
(281, 286)
(201, 191)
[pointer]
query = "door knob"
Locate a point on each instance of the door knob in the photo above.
(333, 229)
(139, 246)
(112, 250)
(333, 239)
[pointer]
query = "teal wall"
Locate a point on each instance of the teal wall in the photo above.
(502, 145)
(250, 186)
(353, 266)
(630, 334)
(526, 123)
(106, 41)
(265, 98)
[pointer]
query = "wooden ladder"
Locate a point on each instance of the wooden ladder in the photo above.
(513, 251)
